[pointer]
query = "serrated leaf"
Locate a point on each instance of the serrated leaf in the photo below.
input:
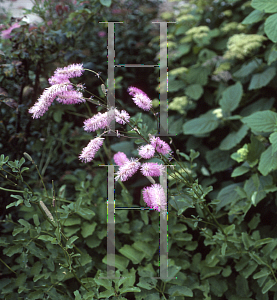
(200, 125)
(231, 97)
(268, 162)
(106, 2)
(273, 141)
(267, 6)
(195, 91)
(261, 121)
(262, 79)
(254, 17)
(270, 27)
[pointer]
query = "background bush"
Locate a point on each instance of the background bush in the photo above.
(221, 229)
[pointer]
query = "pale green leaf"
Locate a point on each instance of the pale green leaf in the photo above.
(254, 17)
(106, 2)
(231, 97)
(264, 121)
(262, 79)
(268, 161)
(268, 6)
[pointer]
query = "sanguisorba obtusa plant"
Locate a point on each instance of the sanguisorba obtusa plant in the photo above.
(64, 91)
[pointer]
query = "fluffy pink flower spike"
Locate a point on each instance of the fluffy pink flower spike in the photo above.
(154, 197)
(140, 98)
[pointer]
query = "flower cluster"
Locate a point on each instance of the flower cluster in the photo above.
(61, 88)
(154, 195)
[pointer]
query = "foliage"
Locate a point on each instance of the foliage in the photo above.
(222, 241)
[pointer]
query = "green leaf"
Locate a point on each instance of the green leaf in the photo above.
(268, 162)
(47, 238)
(254, 221)
(16, 231)
(71, 241)
(223, 248)
(231, 97)
(200, 125)
(273, 141)
(262, 273)
(250, 268)
(14, 203)
(270, 283)
(10, 251)
(20, 280)
(147, 283)
(263, 242)
(227, 195)
(180, 291)
(270, 27)
(126, 147)
(240, 171)
(148, 249)
(267, 6)
(254, 17)
(195, 91)
(233, 138)
(88, 229)
(121, 263)
(36, 220)
(72, 221)
(207, 272)
(229, 229)
(106, 294)
(242, 287)
(219, 160)
(272, 55)
(36, 268)
(256, 258)
(134, 255)
(262, 79)
(106, 2)
(130, 290)
(261, 121)
(107, 283)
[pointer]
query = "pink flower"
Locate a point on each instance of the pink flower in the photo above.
(120, 158)
(101, 120)
(151, 169)
(90, 150)
(127, 170)
(101, 33)
(62, 75)
(58, 80)
(121, 117)
(140, 98)
(154, 197)
(161, 146)
(146, 151)
(46, 99)
(70, 97)
(6, 33)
